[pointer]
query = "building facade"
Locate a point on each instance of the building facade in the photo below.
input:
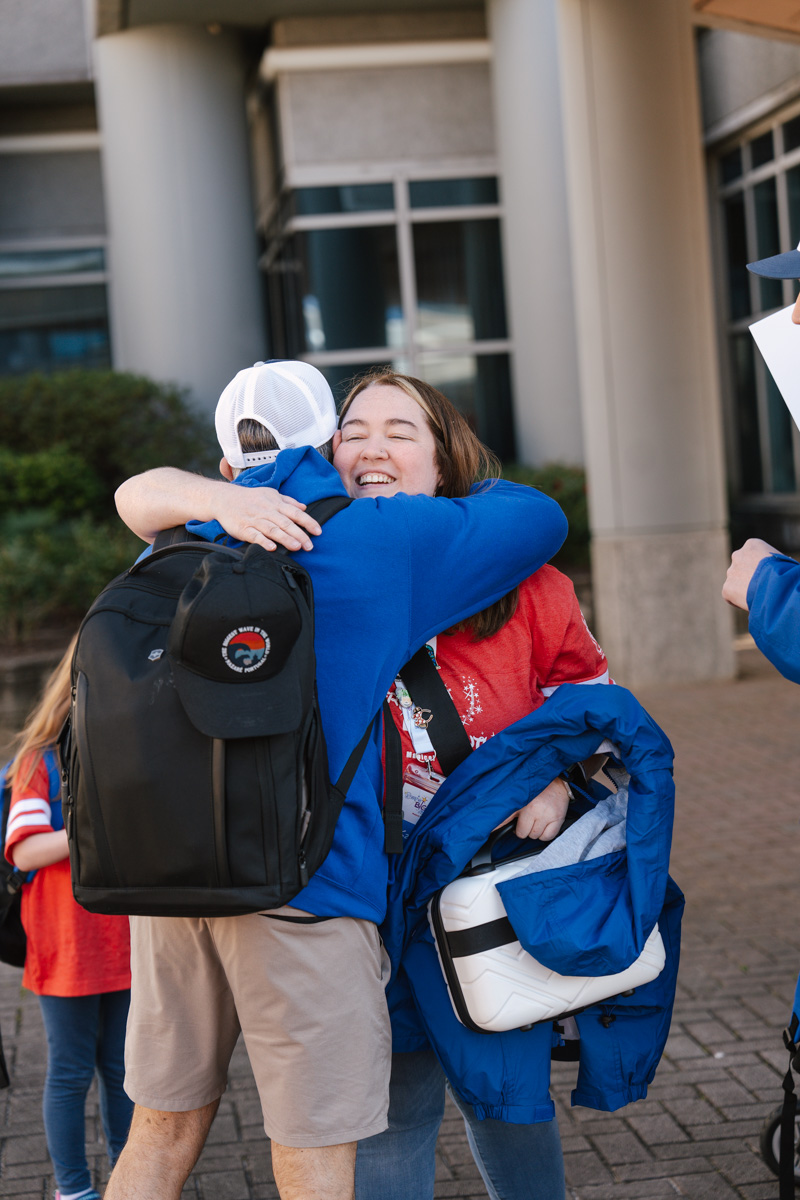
(493, 196)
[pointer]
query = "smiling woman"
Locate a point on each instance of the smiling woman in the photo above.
(408, 409)
(384, 445)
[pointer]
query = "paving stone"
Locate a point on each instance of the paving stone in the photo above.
(621, 1147)
(704, 1187)
(663, 1169)
(653, 1130)
(680, 1045)
(223, 1185)
(743, 1168)
(642, 1189)
(725, 1092)
(694, 1111)
(586, 1167)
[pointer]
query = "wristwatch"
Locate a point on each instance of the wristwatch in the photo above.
(574, 777)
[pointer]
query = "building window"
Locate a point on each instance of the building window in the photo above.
(53, 308)
(758, 185)
(405, 273)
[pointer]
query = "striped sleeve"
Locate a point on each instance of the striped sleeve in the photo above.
(30, 809)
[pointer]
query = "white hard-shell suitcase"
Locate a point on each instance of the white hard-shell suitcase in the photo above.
(494, 984)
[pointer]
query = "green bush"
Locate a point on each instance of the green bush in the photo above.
(116, 424)
(68, 440)
(56, 479)
(54, 569)
(567, 485)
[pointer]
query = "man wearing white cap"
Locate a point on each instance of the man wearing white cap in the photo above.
(760, 580)
(306, 989)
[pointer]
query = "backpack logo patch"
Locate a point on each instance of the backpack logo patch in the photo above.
(245, 649)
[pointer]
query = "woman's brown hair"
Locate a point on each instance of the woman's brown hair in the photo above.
(461, 460)
(44, 724)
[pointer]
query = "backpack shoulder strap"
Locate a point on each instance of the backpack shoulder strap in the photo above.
(53, 768)
(323, 510)
(172, 537)
(5, 803)
(393, 785)
(446, 731)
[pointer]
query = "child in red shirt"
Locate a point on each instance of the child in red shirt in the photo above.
(77, 963)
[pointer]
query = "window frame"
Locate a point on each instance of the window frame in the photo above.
(402, 217)
(729, 327)
(68, 279)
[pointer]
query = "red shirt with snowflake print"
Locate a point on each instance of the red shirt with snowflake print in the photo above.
(495, 682)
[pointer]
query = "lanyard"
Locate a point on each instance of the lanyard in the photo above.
(415, 719)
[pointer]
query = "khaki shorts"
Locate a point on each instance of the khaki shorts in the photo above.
(308, 998)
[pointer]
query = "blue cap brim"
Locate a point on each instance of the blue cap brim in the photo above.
(780, 266)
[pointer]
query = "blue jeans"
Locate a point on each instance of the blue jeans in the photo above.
(84, 1034)
(516, 1162)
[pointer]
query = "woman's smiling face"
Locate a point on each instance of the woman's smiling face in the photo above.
(385, 445)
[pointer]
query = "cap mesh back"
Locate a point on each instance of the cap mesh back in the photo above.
(291, 399)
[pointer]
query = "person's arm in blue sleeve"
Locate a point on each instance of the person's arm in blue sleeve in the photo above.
(766, 584)
(773, 598)
(478, 548)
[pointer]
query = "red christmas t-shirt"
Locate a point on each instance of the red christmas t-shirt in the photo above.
(70, 952)
(497, 681)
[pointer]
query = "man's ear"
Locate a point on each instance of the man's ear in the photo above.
(337, 440)
(226, 469)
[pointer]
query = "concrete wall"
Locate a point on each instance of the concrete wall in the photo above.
(378, 27)
(425, 114)
(43, 41)
(649, 376)
(736, 69)
(184, 289)
(51, 195)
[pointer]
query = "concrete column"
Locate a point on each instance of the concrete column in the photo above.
(527, 106)
(185, 294)
(652, 419)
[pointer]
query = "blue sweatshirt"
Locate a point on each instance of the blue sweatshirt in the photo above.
(773, 598)
(388, 573)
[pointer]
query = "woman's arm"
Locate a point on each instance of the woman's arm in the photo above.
(40, 850)
(165, 496)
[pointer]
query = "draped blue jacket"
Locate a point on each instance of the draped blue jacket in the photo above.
(588, 919)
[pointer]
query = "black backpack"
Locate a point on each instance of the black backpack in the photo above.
(195, 770)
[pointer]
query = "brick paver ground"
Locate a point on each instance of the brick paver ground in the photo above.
(737, 856)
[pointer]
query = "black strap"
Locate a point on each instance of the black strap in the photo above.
(323, 510)
(463, 942)
(174, 536)
(786, 1176)
(446, 731)
(342, 785)
(393, 787)
(218, 810)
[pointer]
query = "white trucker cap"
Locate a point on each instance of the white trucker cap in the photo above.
(291, 399)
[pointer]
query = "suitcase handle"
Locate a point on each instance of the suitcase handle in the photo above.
(482, 860)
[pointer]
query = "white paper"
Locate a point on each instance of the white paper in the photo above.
(778, 339)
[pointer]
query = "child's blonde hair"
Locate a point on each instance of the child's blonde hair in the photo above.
(44, 724)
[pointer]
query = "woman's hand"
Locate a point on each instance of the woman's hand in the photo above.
(543, 816)
(266, 517)
(164, 497)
